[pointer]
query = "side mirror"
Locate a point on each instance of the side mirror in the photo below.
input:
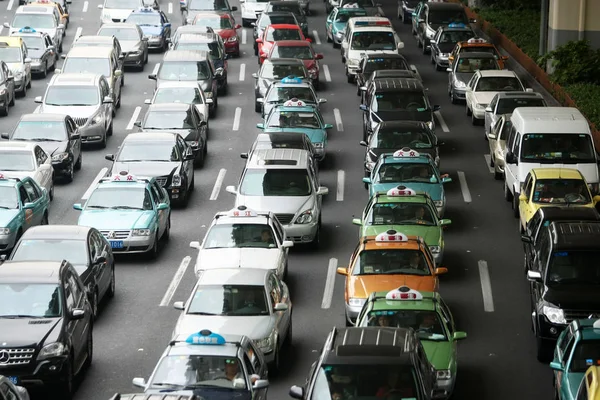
(190, 156)
(138, 124)
(237, 26)
(488, 109)
(596, 199)
(252, 23)
(357, 221)
(100, 6)
(322, 191)
(260, 126)
(61, 26)
(101, 260)
(504, 58)
(152, 76)
(363, 107)
(526, 239)
(107, 100)
(459, 335)
(231, 189)
(118, 73)
(322, 101)
(260, 100)
(433, 41)
(6, 25)
(522, 197)
(75, 136)
(437, 107)
(400, 45)
(144, 39)
(195, 245)
(28, 206)
(280, 307)
(534, 276)
(179, 305)
(530, 90)
(510, 158)
(472, 20)
(364, 144)
(287, 244)
(441, 271)
(362, 88)
(328, 126)
(244, 156)
(255, 75)
(38, 99)
(492, 136)
(234, 8)
(342, 271)
(5, 135)
(448, 69)
(77, 206)
(259, 40)
(63, 56)
(446, 178)
(77, 314)
(556, 366)
(366, 180)
(219, 71)
(444, 222)
(162, 206)
(139, 382)
(261, 383)
(148, 101)
(209, 101)
(109, 157)
(167, 25)
(309, 40)
(319, 56)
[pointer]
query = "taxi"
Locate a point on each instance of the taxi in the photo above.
(13, 51)
(545, 187)
(287, 89)
(42, 18)
(384, 262)
(404, 209)
(244, 238)
(128, 211)
(200, 362)
(431, 319)
(336, 22)
(477, 45)
(63, 15)
(154, 25)
(274, 33)
(17, 213)
(410, 168)
(590, 384)
(297, 116)
(41, 50)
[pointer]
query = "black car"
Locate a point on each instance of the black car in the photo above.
(445, 40)
(293, 7)
(274, 70)
(84, 247)
(57, 134)
(184, 119)
(161, 155)
(385, 74)
(271, 18)
(370, 63)
(46, 324)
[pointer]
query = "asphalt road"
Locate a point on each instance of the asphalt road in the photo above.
(485, 287)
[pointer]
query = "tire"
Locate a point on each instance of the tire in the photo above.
(329, 39)
(289, 336)
(515, 206)
(23, 92)
(336, 46)
(275, 365)
(153, 253)
(110, 292)
(79, 161)
(468, 111)
(29, 83)
(317, 239)
(348, 323)
(45, 70)
(257, 107)
(65, 387)
(453, 98)
(45, 219)
(89, 350)
(542, 350)
(255, 50)
(51, 192)
(349, 78)
(12, 100)
(4, 111)
(498, 175)
(70, 174)
(109, 132)
(507, 194)
(167, 233)
(474, 121)
(103, 142)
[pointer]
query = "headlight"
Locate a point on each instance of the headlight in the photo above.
(305, 217)
(60, 157)
(444, 55)
(232, 39)
(51, 350)
(35, 60)
(480, 106)
(141, 232)
(265, 344)
(97, 119)
(554, 315)
(430, 125)
(443, 374)
(439, 203)
(318, 145)
(354, 302)
(459, 84)
(4, 231)
(351, 61)
(2, 92)
(435, 249)
(176, 180)
(208, 95)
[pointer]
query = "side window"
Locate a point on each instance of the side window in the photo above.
(544, 248)
(564, 341)
(528, 185)
(41, 155)
(24, 195)
(278, 232)
(100, 244)
(447, 315)
(156, 195)
(517, 147)
(252, 355)
(494, 102)
(93, 245)
(274, 289)
(510, 141)
(69, 297)
(147, 200)
(160, 191)
(76, 290)
(32, 191)
(567, 353)
(533, 225)
(248, 364)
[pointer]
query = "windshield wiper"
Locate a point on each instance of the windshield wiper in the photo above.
(74, 104)
(126, 208)
(21, 316)
(201, 313)
(6, 208)
(177, 385)
(96, 207)
(42, 140)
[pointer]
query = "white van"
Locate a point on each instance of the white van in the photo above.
(366, 35)
(548, 137)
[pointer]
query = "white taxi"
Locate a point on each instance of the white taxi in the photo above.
(244, 238)
(20, 159)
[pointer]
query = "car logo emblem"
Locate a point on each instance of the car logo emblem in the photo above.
(4, 357)
(111, 234)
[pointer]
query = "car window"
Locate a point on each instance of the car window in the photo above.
(159, 190)
(248, 364)
(32, 191)
(76, 290)
(40, 155)
(24, 195)
(278, 232)
(156, 195)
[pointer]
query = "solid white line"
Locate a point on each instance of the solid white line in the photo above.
(330, 283)
(1, 29)
(486, 286)
(244, 34)
(155, 70)
(488, 159)
(464, 187)
(92, 186)
(236, 118)
(242, 71)
(341, 182)
(441, 121)
(316, 37)
(78, 32)
(170, 8)
(338, 120)
(85, 6)
(326, 72)
(134, 117)
(175, 282)
(10, 5)
(218, 183)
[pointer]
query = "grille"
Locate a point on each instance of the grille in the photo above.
(118, 20)
(16, 356)
(162, 181)
(117, 234)
(285, 218)
(570, 315)
(80, 121)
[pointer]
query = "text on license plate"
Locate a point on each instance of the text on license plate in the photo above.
(116, 244)
(13, 379)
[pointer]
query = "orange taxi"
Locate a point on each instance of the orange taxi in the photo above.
(385, 262)
(477, 45)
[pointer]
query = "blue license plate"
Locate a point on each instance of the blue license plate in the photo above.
(116, 244)
(13, 379)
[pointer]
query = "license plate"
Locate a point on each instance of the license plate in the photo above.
(116, 244)
(13, 379)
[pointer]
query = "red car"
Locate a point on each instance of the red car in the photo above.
(274, 33)
(302, 50)
(224, 25)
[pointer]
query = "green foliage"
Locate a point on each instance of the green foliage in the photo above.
(587, 98)
(574, 62)
(520, 26)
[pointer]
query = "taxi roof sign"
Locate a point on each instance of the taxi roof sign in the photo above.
(146, 9)
(242, 211)
(206, 337)
(27, 29)
(406, 152)
(374, 23)
(391, 236)
(476, 40)
(400, 191)
(294, 102)
(292, 79)
(457, 25)
(403, 293)
(123, 176)
(351, 5)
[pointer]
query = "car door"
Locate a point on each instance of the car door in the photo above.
(562, 354)
(50, 53)
(76, 329)
(44, 171)
(527, 208)
(107, 108)
(187, 167)
(27, 213)
(161, 214)
(101, 270)
(329, 23)
(74, 143)
(469, 91)
(284, 297)
(489, 115)
(163, 194)
(531, 229)
(435, 41)
(199, 125)
(35, 196)
(10, 83)
(283, 252)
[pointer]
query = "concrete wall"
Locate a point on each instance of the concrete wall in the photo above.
(573, 20)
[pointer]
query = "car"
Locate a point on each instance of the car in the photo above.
(224, 25)
(302, 50)
(57, 134)
(251, 10)
(270, 18)
(154, 25)
(274, 33)
(55, 325)
(42, 19)
(61, 12)
(290, 6)
(40, 49)
(179, 118)
(506, 102)
(462, 70)
(381, 74)
(133, 41)
(7, 89)
(222, 354)
(14, 53)
(497, 142)
(589, 389)
(444, 41)
(189, 29)
(477, 45)
(293, 192)
(164, 156)
(87, 99)
(130, 212)
(186, 92)
(336, 22)
(244, 238)
(274, 71)
(482, 88)
(432, 15)
(115, 11)
(83, 247)
(287, 90)
(406, 9)
(21, 159)
(282, 140)
(252, 302)
(24, 204)
(189, 8)
(372, 62)
(432, 320)
(102, 41)
(384, 262)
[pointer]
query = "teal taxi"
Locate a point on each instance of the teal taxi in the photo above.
(405, 210)
(337, 20)
(299, 117)
(132, 213)
(432, 320)
(408, 167)
(23, 204)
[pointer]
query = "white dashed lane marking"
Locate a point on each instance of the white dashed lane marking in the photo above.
(136, 114)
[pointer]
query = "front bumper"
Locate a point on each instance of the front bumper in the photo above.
(157, 42)
(38, 67)
(37, 374)
(438, 257)
(135, 244)
(546, 330)
(442, 61)
(459, 93)
(20, 84)
(232, 47)
(301, 233)
(352, 313)
(92, 133)
(250, 15)
(352, 69)
(479, 113)
(444, 388)
(63, 167)
(7, 242)
(320, 154)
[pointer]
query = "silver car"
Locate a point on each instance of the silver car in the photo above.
(497, 141)
(250, 302)
(285, 182)
(186, 92)
(462, 70)
(506, 102)
(86, 98)
(41, 19)
(41, 51)
(7, 89)
(134, 45)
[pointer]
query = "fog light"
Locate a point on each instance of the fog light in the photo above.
(52, 368)
(306, 238)
(553, 331)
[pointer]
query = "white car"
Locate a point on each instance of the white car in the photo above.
(244, 238)
(119, 10)
(20, 159)
(251, 10)
(482, 88)
(187, 92)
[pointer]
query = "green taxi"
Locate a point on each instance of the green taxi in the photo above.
(430, 317)
(337, 20)
(404, 210)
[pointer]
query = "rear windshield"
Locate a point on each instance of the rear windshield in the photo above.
(373, 41)
(184, 70)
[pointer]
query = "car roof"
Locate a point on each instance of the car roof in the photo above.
(225, 219)
(119, 25)
(284, 61)
(30, 271)
(284, 26)
(171, 84)
(43, 117)
(90, 52)
(497, 73)
(411, 84)
(35, 9)
(557, 173)
(185, 55)
(279, 159)
(169, 107)
(150, 137)
(402, 125)
(110, 40)
(233, 276)
(75, 79)
(502, 95)
(558, 213)
(419, 198)
(10, 145)
(443, 6)
(278, 13)
(67, 232)
(428, 302)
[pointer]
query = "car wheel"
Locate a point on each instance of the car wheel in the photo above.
(498, 175)
(349, 77)
(336, 45)
(193, 184)
(113, 284)
(103, 142)
(492, 160)
(468, 110)
(515, 206)
(348, 323)
(255, 50)
(317, 239)
(167, 232)
(109, 132)
(474, 121)
(289, 335)
(29, 83)
(542, 350)
(70, 173)
(45, 70)
(45, 219)
(153, 253)
(12, 100)
(23, 92)
(79, 161)
(4, 111)
(90, 350)
(51, 192)
(65, 387)
(257, 107)
(274, 366)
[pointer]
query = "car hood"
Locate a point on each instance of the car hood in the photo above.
(255, 327)
(151, 30)
(255, 6)
(16, 67)
(226, 33)
(130, 45)
(315, 135)
(423, 116)
(431, 234)
(439, 353)
(446, 47)
(362, 286)
(186, 134)
(275, 204)
(116, 219)
(484, 97)
(53, 148)
(242, 258)
(150, 169)
(72, 111)
(339, 26)
(433, 189)
(573, 297)
(463, 77)
(28, 332)
(49, 31)
(35, 53)
(6, 216)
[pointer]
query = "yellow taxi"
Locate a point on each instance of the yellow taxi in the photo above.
(62, 15)
(385, 262)
(589, 389)
(477, 45)
(545, 187)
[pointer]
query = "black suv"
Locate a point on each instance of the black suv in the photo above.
(45, 325)
(564, 279)
(377, 62)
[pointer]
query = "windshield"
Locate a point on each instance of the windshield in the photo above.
(184, 71)
(283, 34)
(40, 130)
(373, 41)
(232, 300)
(561, 191)
(447, 17)
(125, 197)
(196, 371)
(239, 236)
(84, 65)
(375, 64)
(30, 300)
(406, 172)
(185, 95)
(293, 8)
(394, 140)
(35, 21)
(168, 120)
(75, 251)
(391, 262)
(282, 94)
(279, 19)
(399, 101)
(123, 34)
(507, 106)
(72, 96)
(401, 214)
(361, 3)
(566, 148)
(498, 84)
(574, 267)
(17, 161)
(300, 52)
(8, 197)
(216, 5)
(212, 48)
(478, 49)
(214, 22)
(585, 355)
(280, 71)
(470, 65)
(10, 54)
(293, 119)
(148, 151)
(144, 19)
(123, 4)
(425, 323)
(453, 37)
(343, 17)
(276, 182)
(32, 42)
